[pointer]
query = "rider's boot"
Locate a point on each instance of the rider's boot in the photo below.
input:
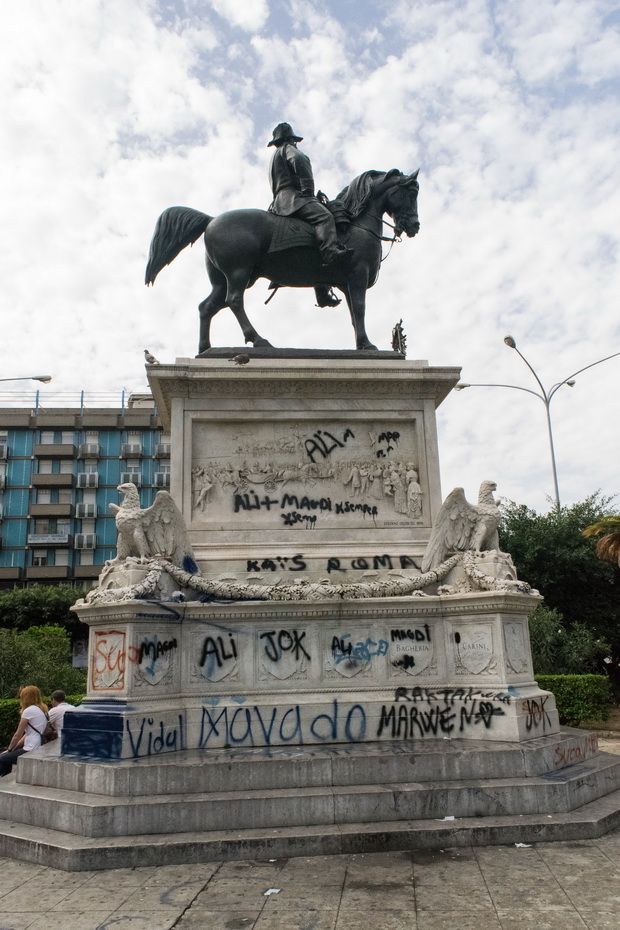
(336, 258)
(325, 297)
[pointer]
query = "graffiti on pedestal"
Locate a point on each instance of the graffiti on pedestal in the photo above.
(326, 475)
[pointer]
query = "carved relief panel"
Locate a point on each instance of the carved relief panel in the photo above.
(304, 475)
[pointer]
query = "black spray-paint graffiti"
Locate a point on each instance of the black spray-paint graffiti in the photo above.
(273, 726)
(216, 652)
(324, 443)
(402, 721)
(374, 563)
(420, 635)
(297, 563)
(276, 644)
(536, 714)
(388, 438)
(280, 563)
(449, 696)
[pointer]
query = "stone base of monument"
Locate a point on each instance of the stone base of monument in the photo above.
(207, 805)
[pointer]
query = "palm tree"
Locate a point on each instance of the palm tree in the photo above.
(608, 547)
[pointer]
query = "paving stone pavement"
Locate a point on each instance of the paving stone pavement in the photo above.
(547, 886)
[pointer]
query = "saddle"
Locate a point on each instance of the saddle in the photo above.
(291, 232)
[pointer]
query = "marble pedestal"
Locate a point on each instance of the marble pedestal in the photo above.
(304, 468)
(205, 676)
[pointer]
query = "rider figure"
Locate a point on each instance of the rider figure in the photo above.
(292, 184)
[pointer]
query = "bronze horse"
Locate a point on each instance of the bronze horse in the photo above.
(239, 247)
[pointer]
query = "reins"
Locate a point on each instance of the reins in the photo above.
(392, 240)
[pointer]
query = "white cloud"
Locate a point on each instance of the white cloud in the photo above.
(250, 15)
(113, 113)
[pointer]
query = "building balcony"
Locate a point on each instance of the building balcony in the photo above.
(49, 539)
(51, 510)
(4, 451)
(161, 450)
(10, 572)
(54, 450)
(47, 572)
(87, 571)
(89, 450)
(41, 480)
(161, 479)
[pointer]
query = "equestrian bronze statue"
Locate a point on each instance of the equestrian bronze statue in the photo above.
(302, 241)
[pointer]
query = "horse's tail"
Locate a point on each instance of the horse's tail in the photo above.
(175, 229)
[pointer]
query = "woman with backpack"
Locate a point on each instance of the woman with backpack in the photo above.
(32, 724)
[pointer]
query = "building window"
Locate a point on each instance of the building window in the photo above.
(47, 437)
(62, 557)
(91, 466)
(65, 496)
(39, 558)
(45, 466)
(63, 526)
(44, 496)
(87, 557)
(67, 437)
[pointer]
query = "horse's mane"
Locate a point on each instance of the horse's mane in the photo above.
(356, 195)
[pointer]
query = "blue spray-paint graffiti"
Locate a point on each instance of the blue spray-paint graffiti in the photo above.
(364, 651)
(255, 726)
(152, 736)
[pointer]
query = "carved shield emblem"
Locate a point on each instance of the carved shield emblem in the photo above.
(412, 658)
(474, 648)
(155, 659)
(217, 653)
(516, 651)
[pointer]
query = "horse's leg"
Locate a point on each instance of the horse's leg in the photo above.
(211, 305)
(356, 299)
(237, 283)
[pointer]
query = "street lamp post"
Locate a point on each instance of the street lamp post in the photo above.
(546, 396)
(44, 378)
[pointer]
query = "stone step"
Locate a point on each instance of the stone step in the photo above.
(78, 853)
(394, 762)
(96, 815)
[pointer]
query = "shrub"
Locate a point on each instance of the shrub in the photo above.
(9, 715)
(579, 697)
(562, 649)
(38, 656)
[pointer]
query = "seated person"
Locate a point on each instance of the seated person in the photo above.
(31, 727)
(58, 710)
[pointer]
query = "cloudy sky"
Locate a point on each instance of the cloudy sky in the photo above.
(113, 110)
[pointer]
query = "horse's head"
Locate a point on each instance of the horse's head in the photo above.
(402, 202)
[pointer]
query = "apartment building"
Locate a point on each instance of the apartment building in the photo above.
(59, 471)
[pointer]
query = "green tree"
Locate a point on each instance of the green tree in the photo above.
(551, 553)
(39, 605)
(38, 656)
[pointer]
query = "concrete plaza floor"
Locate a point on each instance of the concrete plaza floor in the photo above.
(549, 886)
(546, 886)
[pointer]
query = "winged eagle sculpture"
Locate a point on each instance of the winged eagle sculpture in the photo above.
(156, 531)
(461, 526)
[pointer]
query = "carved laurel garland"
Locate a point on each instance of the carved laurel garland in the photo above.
(303, 590)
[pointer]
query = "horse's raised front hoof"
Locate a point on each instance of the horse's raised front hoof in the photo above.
(261, 343)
